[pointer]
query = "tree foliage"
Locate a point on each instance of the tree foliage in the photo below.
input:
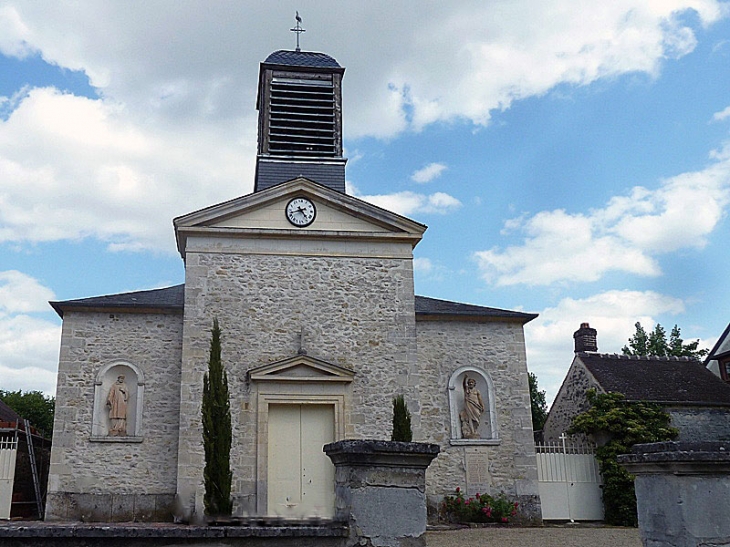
(401, 421)
(624, 424)
(34, 406)
(538, 403)
(217, 432)
(656, 343)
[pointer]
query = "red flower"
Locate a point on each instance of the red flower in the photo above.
(516, 505)
(504, 519)
(458, 489)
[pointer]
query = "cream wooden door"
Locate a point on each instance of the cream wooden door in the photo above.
(301, 478)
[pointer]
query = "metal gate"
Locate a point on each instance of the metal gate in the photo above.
(569, 481)
(8, 455)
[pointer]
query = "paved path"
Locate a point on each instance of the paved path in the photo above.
(563, 536)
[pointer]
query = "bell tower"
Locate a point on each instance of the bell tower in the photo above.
(300, 120)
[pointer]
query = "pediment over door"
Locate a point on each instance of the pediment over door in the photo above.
(301, 368)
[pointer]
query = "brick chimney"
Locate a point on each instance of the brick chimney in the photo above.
(585, 338)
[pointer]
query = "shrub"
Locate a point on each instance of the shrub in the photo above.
(216, 432)
(401, 421)
(480, 508)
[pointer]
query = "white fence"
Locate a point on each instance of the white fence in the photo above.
(8, 454)
(569, 481)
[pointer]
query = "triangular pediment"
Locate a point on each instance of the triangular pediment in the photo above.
(301, 368)
(262, 214)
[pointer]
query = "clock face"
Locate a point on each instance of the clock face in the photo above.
(300, 212)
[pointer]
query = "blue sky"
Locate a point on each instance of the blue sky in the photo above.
(569, 160)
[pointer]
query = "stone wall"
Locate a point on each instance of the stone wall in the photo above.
(570, 401)
(140, 474)
(508, 465)
(354, 312)
(701, 424)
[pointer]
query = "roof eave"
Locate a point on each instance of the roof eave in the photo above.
(475, 317)
(62, 307)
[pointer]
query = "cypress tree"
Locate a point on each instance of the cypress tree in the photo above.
(217, 432)
(401, 421)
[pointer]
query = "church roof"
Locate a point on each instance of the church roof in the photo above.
(665, 380)
(167, 299)
(172, 299)
(302, 59)
(433, 308)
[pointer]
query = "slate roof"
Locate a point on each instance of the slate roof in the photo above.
(8, 415)
(302, 58)
(169, 298)
(426, 306)
(666, 380)
(173, 299)
(268, 174)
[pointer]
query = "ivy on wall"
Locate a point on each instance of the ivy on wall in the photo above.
(624, 424)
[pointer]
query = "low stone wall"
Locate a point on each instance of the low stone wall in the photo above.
(44, 534)
(380, 490)
(682, 492)
(71, 506)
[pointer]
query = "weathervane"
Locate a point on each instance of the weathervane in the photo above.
(298, 29)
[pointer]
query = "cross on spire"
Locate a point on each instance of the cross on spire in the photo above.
(298, 29)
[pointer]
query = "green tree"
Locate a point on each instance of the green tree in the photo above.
(401, 421)
(624, 424)
(656, 343)
(538, 403)
(34, 406)
(216, 432)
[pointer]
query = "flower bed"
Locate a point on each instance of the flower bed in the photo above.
(479, 508)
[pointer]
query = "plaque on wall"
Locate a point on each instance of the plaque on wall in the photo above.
(478, 478)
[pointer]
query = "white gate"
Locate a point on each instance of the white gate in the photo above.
(8, 454)
(569, 481)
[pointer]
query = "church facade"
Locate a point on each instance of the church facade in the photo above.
(313, 290)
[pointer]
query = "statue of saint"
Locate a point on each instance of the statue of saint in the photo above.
(473, 409)
(117, 403)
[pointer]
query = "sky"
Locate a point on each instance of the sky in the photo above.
(570, 158)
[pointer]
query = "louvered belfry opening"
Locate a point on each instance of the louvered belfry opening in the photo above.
(300, 120)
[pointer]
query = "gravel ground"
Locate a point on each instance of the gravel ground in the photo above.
(549, 536)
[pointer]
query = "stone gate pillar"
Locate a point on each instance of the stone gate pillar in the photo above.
(380, 490)
(682, 492)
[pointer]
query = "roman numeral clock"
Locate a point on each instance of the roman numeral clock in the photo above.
(300, 212)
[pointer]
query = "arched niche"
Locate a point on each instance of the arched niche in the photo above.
(106, 378)
(487, 432)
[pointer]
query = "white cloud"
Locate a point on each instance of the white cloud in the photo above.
(460, 60)
(73, 167)
(13, 33)
(174, 126)
(411, 203)
(722, 115)
(626, 235)
(428, 173)
(21, 293)
(549, 338)
(28, 344)
(423, 265)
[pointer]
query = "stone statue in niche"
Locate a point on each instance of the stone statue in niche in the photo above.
(471, 415)
(117, 402)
